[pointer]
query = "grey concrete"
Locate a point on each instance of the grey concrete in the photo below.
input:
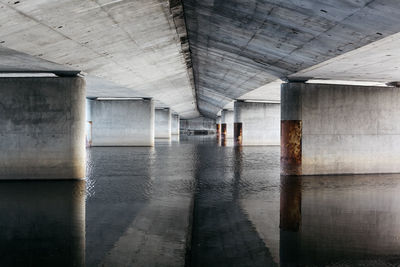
(228, 118)
(162, 125)
(124, 122)
(16, 62)
(175, 121)
(43, 128)
(345, 129)
(238, 46)
(97, 37)
(260, 122)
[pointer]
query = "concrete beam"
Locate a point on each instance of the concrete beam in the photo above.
(339, 129)
(43, 128)
(120, 122)
(257, 123)
(162, 123)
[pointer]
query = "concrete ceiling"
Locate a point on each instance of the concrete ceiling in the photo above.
(134, 44)
(238, 48)
(240, 45)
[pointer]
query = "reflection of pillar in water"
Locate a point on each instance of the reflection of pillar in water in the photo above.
(290, 214)
(223, 134)
(290, 220)
(44, 223)
(237, 133)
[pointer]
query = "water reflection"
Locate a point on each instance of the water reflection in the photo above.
(222, 233)
(353, 220)
(246, 214)
(42, 223)
(139, 207)
(139, 203)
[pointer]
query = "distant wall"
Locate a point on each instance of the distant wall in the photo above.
(198, 125)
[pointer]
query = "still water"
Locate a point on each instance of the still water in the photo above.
(193, 202)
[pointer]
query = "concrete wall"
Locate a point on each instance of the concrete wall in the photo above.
(42, 128)
(200, 124)
(162, 123)
(175, 121)
(337, 129)
(260, 122)
(227, 117)
(121, 122)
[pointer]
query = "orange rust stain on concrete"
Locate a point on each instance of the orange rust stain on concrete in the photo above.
(223, 134)
(238, 133)
(291, 134)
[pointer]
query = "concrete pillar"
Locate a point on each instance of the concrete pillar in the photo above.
(121, 122)
(175, 124)
(339, 129)
(163, 123)
(42, 128)
(257, 123)
(227, 120)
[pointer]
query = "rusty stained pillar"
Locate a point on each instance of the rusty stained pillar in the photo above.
(291, 130)
(238, 133)
(223, 134)
(291, 154)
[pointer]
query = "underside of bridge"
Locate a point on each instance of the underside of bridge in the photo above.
(199, 133)
(196, 57)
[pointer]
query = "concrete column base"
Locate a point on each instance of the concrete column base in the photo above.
(124, 122)
(339, 129)
(43, 128)
(256, 123)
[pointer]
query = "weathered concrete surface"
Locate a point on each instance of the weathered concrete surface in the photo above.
(260, 122)
(45, 223)
(374, 62)
(16, 62)
(162, 125)
(345, 129)
(175, 124)
(238, 46)
(227, 119)
(121, 122)
(43, 128)
(97, 37)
